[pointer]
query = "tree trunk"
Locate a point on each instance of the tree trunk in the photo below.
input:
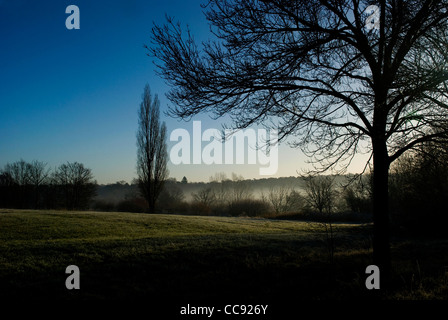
(150, 195)
(151, 203)
(381, 240)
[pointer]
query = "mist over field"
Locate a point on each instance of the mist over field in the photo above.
(122, 190)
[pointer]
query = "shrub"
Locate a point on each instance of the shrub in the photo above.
(102, 205)
(248, 207)
(418, 188)
(132, 205)
(200, 208)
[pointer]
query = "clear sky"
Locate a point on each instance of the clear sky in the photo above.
(73, 95)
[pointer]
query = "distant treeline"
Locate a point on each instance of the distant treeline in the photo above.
(269, 197)
(33, 185)
(418, 189)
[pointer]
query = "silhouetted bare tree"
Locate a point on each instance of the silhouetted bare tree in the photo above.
(418, 188)
(240, 189)
(76, 183)
(38, 174)
(152, 156)
(18, 173)
(320, 195)
(7, 190)
(320, 71)
(205, 196)
(282, 199)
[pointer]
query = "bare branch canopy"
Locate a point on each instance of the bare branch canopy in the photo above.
(321, 73)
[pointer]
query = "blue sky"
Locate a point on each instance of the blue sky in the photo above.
(73, 95)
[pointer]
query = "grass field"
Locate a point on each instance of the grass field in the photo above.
(194, 258)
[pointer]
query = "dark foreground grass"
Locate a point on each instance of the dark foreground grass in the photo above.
(191, 258)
